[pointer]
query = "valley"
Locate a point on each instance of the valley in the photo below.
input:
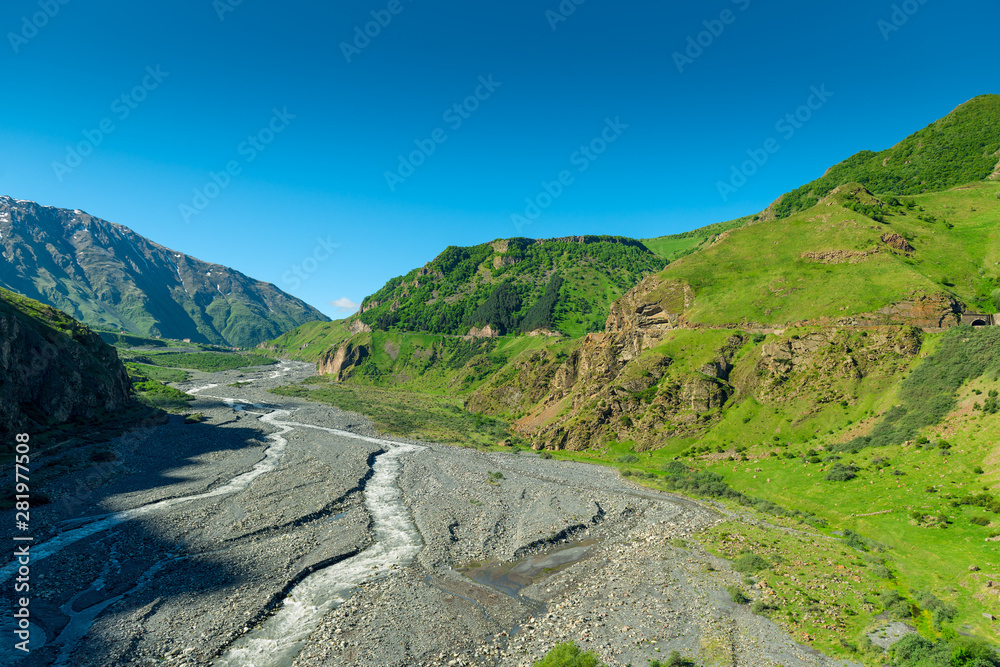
(228, 542)
(767, 441)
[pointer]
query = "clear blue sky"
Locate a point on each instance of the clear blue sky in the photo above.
(226, 66)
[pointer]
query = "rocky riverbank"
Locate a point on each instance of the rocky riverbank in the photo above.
(518, 553)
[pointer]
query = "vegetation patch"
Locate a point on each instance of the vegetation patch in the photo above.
(211, 362)
(409, 414)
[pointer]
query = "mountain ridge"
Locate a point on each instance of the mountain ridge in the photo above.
(107, 275)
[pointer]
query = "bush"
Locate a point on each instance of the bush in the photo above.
(895, 605)
(737, 595)
(980, 520)
(545, 455)
(750, 564)
(881, 571)
(568, 655)
(941, 612)
(841, 473)
(675, 660)
(760, 607)
(628, 458)
(855, 541)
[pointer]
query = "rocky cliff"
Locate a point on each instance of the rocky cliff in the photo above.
(53, 370)
(650, 379)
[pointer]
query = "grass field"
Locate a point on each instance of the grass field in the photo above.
(159, 373)
(408, 414)
(204, 361)
(762, 273)
(894, 486)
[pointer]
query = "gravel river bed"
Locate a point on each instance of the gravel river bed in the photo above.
(280, 532)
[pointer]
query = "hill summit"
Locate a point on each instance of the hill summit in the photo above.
(513, 285)
(960, 148)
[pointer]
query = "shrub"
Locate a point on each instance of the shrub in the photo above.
(737, 595)
(750, 564)
(545, 455)
(841, 473)
(881, 571)
(628, 458)
(675, 660)
(895, 605)
(855, 541)
(980, 521)
(761, 607)
(940, 611)
(568, 655)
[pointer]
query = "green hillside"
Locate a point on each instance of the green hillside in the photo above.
(55, 373)
(836, 260)
(514, 285)
(962, 147)
(801, 366)
(675, 246)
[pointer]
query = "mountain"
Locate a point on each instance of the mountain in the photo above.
(513, 285)
(53, 371)
(108, 276)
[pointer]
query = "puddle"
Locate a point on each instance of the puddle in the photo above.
(511, 578)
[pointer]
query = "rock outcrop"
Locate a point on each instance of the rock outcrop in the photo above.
(53, 370)
(897, 242)
(484, 332)
(341, 361)
(654, 304)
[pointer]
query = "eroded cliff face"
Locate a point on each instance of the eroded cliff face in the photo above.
(823, 365)
(651, 379)
(54, 370)
(340, 361)
(615, 386)
(652, 305)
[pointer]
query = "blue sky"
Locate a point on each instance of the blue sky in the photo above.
(269, 137)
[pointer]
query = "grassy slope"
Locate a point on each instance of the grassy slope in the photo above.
(926, 556)
(962, 147)
(675, 246)
(759, 274)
